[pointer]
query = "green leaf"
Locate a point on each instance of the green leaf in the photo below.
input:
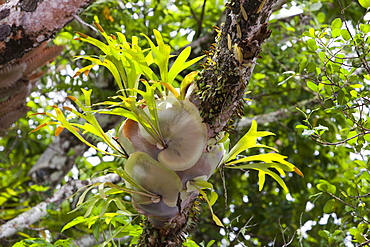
(203, 184)
(350, 175)
(213, 199)
(322, 56)
(302, 65)
(357, 85)
(75, 221)
(113, 69)
(311, 67)
(189, 78)
(90, 205)
(341, 97)
(274, 160)
(95, 42)
(311, 32)
(364, 3)
(321, 17)
(345, 34)
(263, 169)
(367, 137)
(329, 206)
(336, 23)
(104, 206)
(161, 54)
(311, 44)
(210, 243)
(336, 32)
(365, 27)
(214, 217)
(352, 191)
(101, 191)
(84, 70)
(312, 86)
(300, 126)
(249, 140)
(33, 242)
(353, 140)
(324, 233)
(180, 64)
(326, 187)
(64, 243)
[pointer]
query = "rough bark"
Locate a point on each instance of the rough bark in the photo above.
(230, 64)
(220, 91)
(25, 24)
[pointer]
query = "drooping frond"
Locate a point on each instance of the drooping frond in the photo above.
(10, 117)
(41, 57)
(18, 79)
(10, 74)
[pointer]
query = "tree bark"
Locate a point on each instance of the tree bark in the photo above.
(220, 92)
(25, 24)
(230, 64)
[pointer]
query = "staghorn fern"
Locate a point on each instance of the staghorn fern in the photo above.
(168, 149)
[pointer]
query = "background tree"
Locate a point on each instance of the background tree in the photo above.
(322, 72)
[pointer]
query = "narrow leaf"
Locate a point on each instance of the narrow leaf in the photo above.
(249, 140)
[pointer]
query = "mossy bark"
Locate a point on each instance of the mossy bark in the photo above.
(230, 64)
(220, 92)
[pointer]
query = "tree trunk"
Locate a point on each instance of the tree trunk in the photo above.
(26, 24)
(230, 64)
(220, 93)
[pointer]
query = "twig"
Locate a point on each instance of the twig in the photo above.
(364, 243)
(199, 29)
(362, 196)
(315, 138)
(84, 23)
(337, 198)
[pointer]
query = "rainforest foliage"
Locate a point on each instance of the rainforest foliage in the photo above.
(310, 87)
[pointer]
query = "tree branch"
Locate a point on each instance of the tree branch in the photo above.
(25, 24)
(40, 210)
(229, 66)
